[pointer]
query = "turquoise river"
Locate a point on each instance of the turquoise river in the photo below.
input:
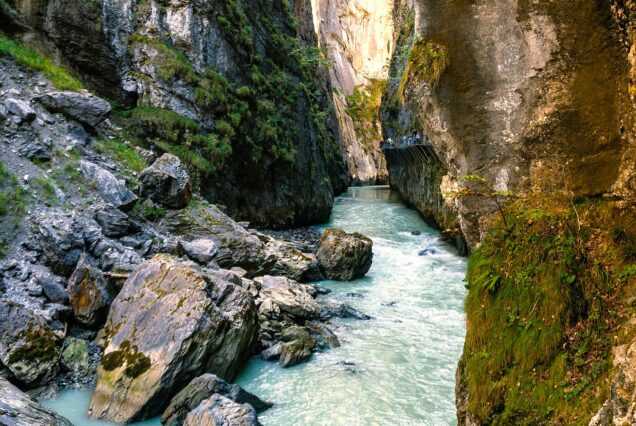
(397, 368)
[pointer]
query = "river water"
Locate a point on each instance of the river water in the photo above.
(399, 367)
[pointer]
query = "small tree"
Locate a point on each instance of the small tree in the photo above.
(477, 186)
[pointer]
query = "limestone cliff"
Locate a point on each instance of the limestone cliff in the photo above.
(358, 38)
(232, 87)
(530, 106)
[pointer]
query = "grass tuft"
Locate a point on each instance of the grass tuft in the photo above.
(32, 59)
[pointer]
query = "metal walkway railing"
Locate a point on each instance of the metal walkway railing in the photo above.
(417, 152)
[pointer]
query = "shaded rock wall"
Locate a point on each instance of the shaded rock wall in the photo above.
(156, 53)
(358, 38)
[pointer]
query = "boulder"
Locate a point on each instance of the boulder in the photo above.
(297, 346)
(201, 388)
(75, 355)
(288, 296)
(28, 347)
(221, 411)
(109, 187)
(237, 246)
(341, 310)
(88, 110)
(114, 222)
(169, 324)
(167, 182)
(61, 242)
(290, 262)
(89, 293)
(52, 288)
(201, 250)
(19, 409)
(342, 256)
(21, 109)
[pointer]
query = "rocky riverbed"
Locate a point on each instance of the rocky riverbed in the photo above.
(122, 278)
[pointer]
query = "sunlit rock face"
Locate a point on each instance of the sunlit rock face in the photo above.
(535, 98)
(358, 36)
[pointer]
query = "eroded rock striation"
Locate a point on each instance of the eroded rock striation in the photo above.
(210, 324)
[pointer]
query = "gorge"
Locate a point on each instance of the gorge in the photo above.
(212, 119)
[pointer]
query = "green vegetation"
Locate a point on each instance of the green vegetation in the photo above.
(12, 196)
(545, 306)
(45, 188)
(257, 118)
(122, 152)
(363, 106)
(32, 59)
(427, 62)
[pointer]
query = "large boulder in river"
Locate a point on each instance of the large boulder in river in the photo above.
(290, 262)
(19, 409)
(170, 323)
(167, 182)
(236, 245)
(108, 186)
(28, 347)
(342, 256)
(282, 295)
(201, 388)
(221, 411)
(297, 346)
(85, 109)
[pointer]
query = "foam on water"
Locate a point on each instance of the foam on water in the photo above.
(405, 358)
(399, 367)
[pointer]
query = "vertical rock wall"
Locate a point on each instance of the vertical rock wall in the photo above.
(358, 37)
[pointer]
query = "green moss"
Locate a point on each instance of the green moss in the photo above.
(541, 314)
(40, 346)
(32, 59)
(135, 362)
(363, 106)
(154, 213)
(122, 152)
(13, 205)
(45, 189)
(427, 62)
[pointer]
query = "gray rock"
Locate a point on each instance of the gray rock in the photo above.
(88, 110)
(297, 346)
(61, 241)
(114, 222)
(273, 352)
(53, 289)
(201, 388)
(37, 151)
(28, 347)
(210, 324)
(20, 109)
(221, 411)
(89, 293)
(75, 355)
(342, 256)
(109, 187)
(342, 310)
(280, 294)
(167, 182)
(237, 247)
(19, 409)
(201, 250)
(290, 262)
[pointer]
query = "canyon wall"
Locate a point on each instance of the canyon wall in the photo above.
(232, 87)
(530, 109)
(358, 39)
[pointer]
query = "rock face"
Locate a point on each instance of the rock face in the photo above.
(20, 109)
(167, 182)
(270, 156)
(202, 388)
(114, 222)
(18, 409)
(28, 347)
(85, 109)
(111, 189)
(221, 411)
(89, 293)
(343, 256)
(359, 38)
(534, 130)
(210, 323)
